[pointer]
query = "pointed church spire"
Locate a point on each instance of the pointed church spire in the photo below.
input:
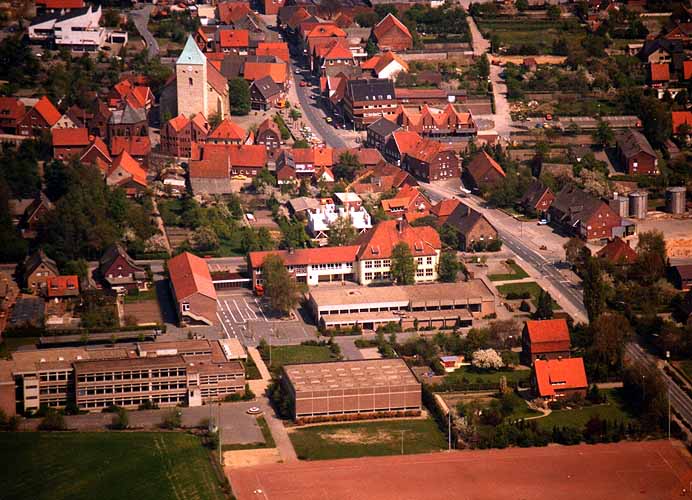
(191, 53)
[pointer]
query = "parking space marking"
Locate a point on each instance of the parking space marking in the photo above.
(228, 307)
(223, 324)
(243, 319)
(261, 310)
(252, 312)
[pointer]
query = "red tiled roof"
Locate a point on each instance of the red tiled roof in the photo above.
(660, 72)
(245, 155)
(305, 256)
(371, 63)
(406, 140)
(178, 123)
(98, 144)
(135, 145)
(70, 137)
(234, 39)
(687, 70)
(560, 374)
(483, 162)
(61, 4)
(230, 12)
(46, 109)
(59, 286)
(337, 49)
(209, 169)
(11, 108)
(378, 242)
(404, 198)
(201, 122)
(679, 118)
(548, 335)
(189, 275)
(277, 49)
(426, 150)
(388, 23)
(444, 208)
(618, 251)
(131, 166)
(386, 59)
(216, 79)
(228, 130)
(325, 30)
(256, 70)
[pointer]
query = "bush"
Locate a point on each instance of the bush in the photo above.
(172, 419)
(8, 423)
(121, 419)
(148, 405)
(248, 395)
(524, 306)
(53, 421)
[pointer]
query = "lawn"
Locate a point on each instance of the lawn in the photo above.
(533, 289)
(516, 274)
(612, 410)
(290, 354)
(489, 377)
(536, 33)
(141, 296)
(107, 466)
(324, 442)
(251, 370)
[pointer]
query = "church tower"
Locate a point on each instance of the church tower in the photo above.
(191, 80)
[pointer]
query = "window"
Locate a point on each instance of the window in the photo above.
(368, 276)
(186, 306)
(189, 80)
(428, 261)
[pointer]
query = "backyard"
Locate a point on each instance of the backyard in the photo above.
(489, 377)
(515, 272)
(513, 291)
(291, 354)
(612, 410)
(528, 36)
(361, 439)
(106, 466)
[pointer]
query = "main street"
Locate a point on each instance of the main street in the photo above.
(141, 19)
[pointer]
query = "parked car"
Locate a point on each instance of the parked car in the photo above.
(542, 222)
(303, 84)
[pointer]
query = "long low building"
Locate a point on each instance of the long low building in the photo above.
(435, 304)
(164, 373)
(351, 387)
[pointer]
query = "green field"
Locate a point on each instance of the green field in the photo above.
(106, 466)
(516, 274)
(324, 442)
(612, 410)
(288, 354)
(141, 296)
(538, 33)
(533, 288)
(489, 377)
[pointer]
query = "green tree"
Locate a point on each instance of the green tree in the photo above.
(239, 95)
(121, 419)
(449, 236)
(576, 252)
(79, 267)
(403, 266)
(52, 421)
(171, 419)
(544, 308)
(604, 134)
(553, 12)
(651, 256)
(371, 48)
(280, 288)
(215, 119)
(595, 288)
(301, 144)
(206, 239)
(347, 166)
(449, 267)
(342, 232)
(483, 66)
(521, 5)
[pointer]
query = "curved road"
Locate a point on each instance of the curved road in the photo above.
(141, 19)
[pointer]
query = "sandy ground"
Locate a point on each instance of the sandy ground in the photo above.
(250, 458)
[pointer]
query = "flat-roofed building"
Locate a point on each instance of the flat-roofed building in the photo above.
(165, 373)
(323, 390)
(437, 304)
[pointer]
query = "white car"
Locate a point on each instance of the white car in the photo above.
(254, 410)
(543, 222)
(298, 71)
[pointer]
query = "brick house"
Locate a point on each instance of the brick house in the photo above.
(118, 271)
(37, 268)
(545, 339)
(636, 154)
(41, 117)
(483, 171)
(193, 290)
(408, 203)
(62, 287)
(472, 227)
(391, 34)
(618, 252)
(268, 135)
(12, 111)
(432, 161)
(583, 215)
(138, 147)
(537, 198)
(399, 144)
(367, 100)
(178, 134)
(227, 132)
(265, 93)
(128, 122)
(126, 173)
(96, 153)
(69, 142)
(559, 378)
(379, 131)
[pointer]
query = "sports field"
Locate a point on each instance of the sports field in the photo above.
(652, 470)
(105, 466)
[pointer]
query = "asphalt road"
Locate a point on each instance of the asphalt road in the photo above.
(679, 400)
(141, 19)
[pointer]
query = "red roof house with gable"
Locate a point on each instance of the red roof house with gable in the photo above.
(69, 142)
(126, 172)
(276, 49)
(227, 132)
(431, 161)
(618, 252)
(138, 147)
(193, 290)
(391, 34)
(545, 339)
(483, 171)
(659, 73)
(62, 286)
(559, 378)
(41, 117)
(680, 118)
(232, 41)
(12, 111)
(409, 202)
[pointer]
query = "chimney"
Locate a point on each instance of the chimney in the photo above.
(400, 226)
(291, 250)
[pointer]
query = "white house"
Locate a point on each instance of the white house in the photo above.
(386, 65)
(320, 219)
(77, 30)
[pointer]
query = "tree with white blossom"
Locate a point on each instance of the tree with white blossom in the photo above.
(487, 359)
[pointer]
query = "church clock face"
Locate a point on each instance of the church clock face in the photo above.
(189, 68)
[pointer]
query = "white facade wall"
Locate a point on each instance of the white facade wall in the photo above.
(370, 271)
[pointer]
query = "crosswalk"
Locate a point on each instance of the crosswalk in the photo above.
(241, 311)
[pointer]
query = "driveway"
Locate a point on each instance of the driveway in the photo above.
(141, 19)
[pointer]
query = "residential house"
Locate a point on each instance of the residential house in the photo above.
(268, 135)
(286, 171)
(349, 206)
(409, 203)
(636, 154)
(12, 111)
(618, 252)
(559, 378)
(367, 100)
(375, 253)
(385, 65)
(230, 13)
(77, 30)
(399, 144)
(392, 34)
(138, 147)
(62, 287)
(659, 74)
(433, 161)
(584, 215)
(435, 122)
(127, 122)
(42, 116)
(545, 339)
(271, 7)
(682, 276)
(178, 134)
(483, 171)
(27, 213)
(305, 161)
(381, 179)
(65, 121)
(193, 290)
(244, 160)
(37, 268)
(473, 229)
(209, 177)
(661, 51)
(379, 132)
(682, 122)
(96, 153)
(227, 132)
(332, 57)
(232, 41)
(276, 49)
(537, 199)
(126, 92)
(119, 272)
(69, 142)
(265, 93)
(126, 173)
(443, 209)
(277, 71)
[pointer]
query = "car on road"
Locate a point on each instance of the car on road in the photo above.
(543, 222)
(254, 410)
(298, 71)
(328, 119)
(303, 84)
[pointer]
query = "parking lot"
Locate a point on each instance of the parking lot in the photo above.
(250, 319)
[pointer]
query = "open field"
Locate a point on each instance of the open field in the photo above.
(533, 288)
(489, 377)
(515, 272)
(361, 439)
(538, 34)
(288, 354)
(612, 410)
(655, 470)
(105, 466)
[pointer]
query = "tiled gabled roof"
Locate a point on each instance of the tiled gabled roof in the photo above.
(379, 241)
(190, 274)
(561, 374)
(228, 130)
(46, 109)
(388, 23)
(62, 137)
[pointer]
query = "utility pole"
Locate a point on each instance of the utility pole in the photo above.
(402, 442)
(668, 412)
(449, 430)
(219, 436)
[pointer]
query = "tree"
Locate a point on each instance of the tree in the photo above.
(172, 419)
(121, 419)
(487, 359)
(342, 232)
(239, 95)
(52, 421)
(604, 134)
(521, 5)
(651, 256)
(295, 114)
(609, 332)
(403, 267)
(80, 267)
(449, 236)
(371, 48)
(595, 288)
(280, 288)
(483, 66)
(646, 391)
(206, 239)
(544, 308)
(576, 252)
(301, 144)
(215, 120)
(347, 166)
(449, 267)
(553, 12)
